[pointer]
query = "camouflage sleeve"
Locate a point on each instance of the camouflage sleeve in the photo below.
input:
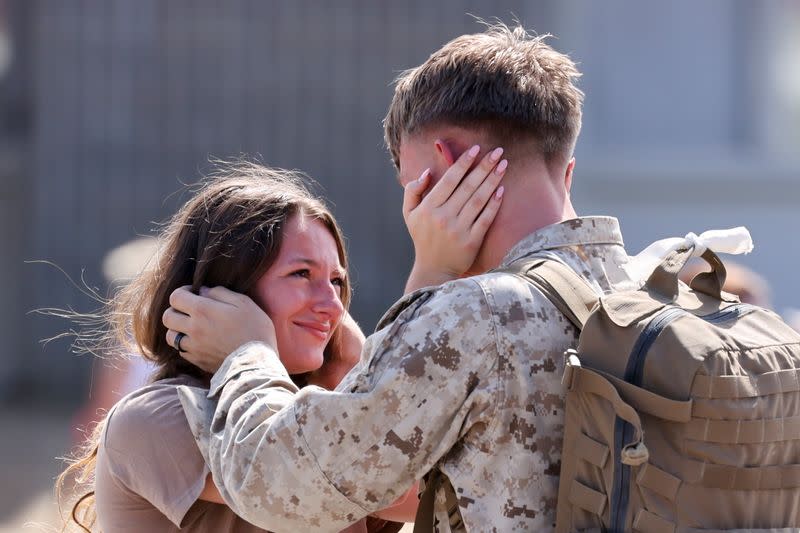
(331, 457)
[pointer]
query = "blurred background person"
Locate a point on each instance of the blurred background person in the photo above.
(113, 379)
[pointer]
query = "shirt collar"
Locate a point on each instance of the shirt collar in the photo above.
(575, 232)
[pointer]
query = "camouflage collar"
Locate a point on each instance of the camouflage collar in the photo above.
(576, 232)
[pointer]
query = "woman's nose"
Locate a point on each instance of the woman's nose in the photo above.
(327, 300)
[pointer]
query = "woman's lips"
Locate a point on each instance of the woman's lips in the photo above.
(317, 329)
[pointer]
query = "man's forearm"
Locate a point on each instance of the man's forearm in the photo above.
(260, 462)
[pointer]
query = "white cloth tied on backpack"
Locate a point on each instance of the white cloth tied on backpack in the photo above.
(728, 241)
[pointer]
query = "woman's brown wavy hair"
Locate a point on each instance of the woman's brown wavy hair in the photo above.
(228, 234)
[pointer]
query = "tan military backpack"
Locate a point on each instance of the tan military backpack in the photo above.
(682, 406)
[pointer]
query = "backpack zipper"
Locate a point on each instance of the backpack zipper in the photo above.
(634, 374)
(623, 431)
(725, 314)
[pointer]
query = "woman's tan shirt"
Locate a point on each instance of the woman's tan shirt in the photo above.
(149, 471)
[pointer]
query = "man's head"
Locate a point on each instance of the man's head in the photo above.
(503, 82)
(503, 87)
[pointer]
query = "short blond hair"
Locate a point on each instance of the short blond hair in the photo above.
(505, 81)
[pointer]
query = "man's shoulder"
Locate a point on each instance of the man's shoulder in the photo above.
(465, 299)
(438, 296)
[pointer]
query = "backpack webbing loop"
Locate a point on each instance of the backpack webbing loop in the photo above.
(568, 292)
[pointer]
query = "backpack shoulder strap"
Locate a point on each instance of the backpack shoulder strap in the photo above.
(560, 284)
(425, 521)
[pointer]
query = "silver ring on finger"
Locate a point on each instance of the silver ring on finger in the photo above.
(177, 342)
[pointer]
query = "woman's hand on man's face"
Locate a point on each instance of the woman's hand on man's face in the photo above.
(214, 323)
(448, 223)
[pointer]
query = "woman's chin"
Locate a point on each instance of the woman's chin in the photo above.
(302, 363)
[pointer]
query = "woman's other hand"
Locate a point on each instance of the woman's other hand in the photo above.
(448, 223)
(214, 324)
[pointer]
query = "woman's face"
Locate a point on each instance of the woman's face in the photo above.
(301, 293)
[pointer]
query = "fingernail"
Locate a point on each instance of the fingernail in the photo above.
(501, 167)
(496, 154)
(499, 193)
(474, 150)
(424, 175)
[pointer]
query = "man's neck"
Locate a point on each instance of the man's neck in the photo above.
(528, 205)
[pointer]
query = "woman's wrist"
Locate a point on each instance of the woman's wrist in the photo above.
(423, 276)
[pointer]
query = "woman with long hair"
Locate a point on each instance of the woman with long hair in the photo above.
(255, 231)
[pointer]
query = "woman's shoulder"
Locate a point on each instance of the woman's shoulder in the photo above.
(147, 451)
(152, 410)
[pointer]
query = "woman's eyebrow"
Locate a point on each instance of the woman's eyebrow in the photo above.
(316, 264)
(304, 260)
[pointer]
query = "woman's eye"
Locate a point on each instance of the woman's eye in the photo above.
(339, 282)
(303, 273)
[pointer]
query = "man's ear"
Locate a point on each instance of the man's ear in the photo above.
(568, 175)
(446, 151)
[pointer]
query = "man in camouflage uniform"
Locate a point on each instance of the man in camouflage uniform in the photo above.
(462, 379)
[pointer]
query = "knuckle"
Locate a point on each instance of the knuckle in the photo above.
(451, 178)
(489, 185)
(486, 195)
(199, 315)
(467, 187)
(440, 220)
(476, 202)
(453, 232)
(460, 166)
